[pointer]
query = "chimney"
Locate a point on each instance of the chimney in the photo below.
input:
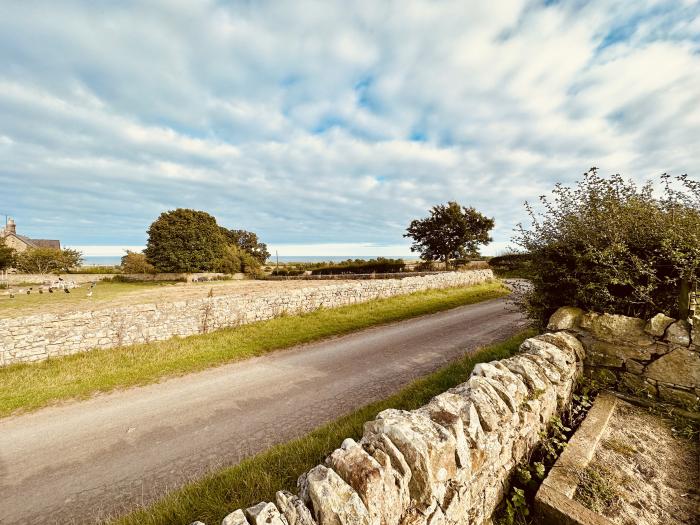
(10, 227)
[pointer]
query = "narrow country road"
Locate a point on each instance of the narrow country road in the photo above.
(83, 461)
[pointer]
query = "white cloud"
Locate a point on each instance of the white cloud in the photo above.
(328, 123)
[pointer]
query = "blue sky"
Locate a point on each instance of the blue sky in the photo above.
(327, 126)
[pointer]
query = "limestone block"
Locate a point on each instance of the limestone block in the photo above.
(235, 518)
(374, 483)
(548, 368)
(616, 328)
(566, 342)
(457, 503)
(447, 410)
(634, 367)
(695, 336)
(334, 502)
(610, 361)
(678, 333)
(429, 449)
(684, 398)
(679, 367)
(514, 385)
(637, 384)
(265, 514)
(533, 376)
(293, 509)
(656, 326)
(491, 408)
(623, 351)
(565, 318)
(551, 353)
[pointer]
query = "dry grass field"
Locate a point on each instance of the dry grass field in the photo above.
(109, 294)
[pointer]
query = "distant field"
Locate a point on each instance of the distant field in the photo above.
(35, 302)
(109, 294)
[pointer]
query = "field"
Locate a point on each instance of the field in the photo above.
(109, 294)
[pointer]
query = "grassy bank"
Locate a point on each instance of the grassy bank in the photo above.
(258, 478)
(30, 386)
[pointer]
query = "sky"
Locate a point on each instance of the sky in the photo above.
(326, 127)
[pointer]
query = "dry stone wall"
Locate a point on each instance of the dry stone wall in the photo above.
(38, 337)
(659, 357)
(445, 463)
(16, 279)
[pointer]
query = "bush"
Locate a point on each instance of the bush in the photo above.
(287, 272)
(359, 266)
(512, 265)
(48, 260)
(96, 270)
(134, 262)
(610, 246)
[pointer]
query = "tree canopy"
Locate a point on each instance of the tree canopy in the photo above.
(248, 242)
(7, 255)
(451, 231)
(184, 240)
(609, 245)
(48, 260)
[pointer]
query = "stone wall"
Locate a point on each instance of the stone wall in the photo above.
(445, 463)
(38, 337)
(659, 357)
(81, 278)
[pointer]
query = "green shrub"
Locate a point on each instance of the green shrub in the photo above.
(96, 270)
(611, 246)
(512, 265)
(359, 266)
(134, 262)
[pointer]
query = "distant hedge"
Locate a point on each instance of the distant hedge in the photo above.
(379, 265)
(511, 262)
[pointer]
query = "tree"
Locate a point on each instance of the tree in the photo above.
(610, 246)
(184, 240)
(451, 231)
(48, 260)
(7, 256)
(134, 262)
(247, 241)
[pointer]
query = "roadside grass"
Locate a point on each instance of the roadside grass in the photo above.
(33, 303)
(258, 478)
(25, 387)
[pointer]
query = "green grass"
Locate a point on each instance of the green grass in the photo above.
(35, 302)
(25, 387)
(258, 478)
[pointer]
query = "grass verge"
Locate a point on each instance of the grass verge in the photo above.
(25, 387)
(258, 478)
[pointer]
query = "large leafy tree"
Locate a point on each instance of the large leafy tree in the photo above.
(185, 240)
(451, 231)
(48, 260)
(7, 256)
(248, 242)
(611, 246)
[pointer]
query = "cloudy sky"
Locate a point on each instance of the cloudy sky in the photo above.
(332, 123)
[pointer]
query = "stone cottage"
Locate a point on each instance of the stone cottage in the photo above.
(21, 243)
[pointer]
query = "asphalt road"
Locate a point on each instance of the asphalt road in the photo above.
(84, 461)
